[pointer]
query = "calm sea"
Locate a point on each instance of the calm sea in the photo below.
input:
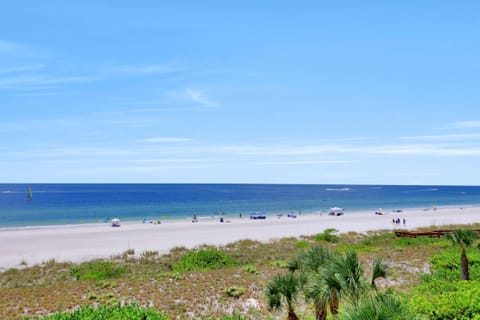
(86, 203)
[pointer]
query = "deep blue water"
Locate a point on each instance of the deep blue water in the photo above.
(85, 203)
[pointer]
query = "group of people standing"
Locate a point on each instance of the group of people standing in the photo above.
(397, 221)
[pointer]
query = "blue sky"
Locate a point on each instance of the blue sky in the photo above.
(374, 92)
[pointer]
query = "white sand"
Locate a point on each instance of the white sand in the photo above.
(84, 242)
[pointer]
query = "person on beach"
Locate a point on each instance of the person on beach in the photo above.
(404, 221)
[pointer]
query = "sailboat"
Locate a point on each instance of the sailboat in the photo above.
(29, 196)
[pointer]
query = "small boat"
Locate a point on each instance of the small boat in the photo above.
(29, 196)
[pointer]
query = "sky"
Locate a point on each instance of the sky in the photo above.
(314, 92)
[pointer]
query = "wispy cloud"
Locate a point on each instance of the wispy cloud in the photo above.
(330, 149)
(147, 169)
(200, 97)
(192, 95)
(426, 149)
(151, 69)
(467, 124)
(8, 47)
(15, 49)
(39, 81)
(164, 140)
(304, 162)
(136, 161)
(443, 137)
(21, 68)
(69, 152)
(294, 150)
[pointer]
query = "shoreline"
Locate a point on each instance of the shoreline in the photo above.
(83, 242)
(213, 217)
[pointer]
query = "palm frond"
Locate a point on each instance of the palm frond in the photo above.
(379, 270)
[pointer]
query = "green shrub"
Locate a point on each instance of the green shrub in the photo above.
(105, 284)
(446, 264)
(250, 269)
(302, 244)
(439, 300)
(328, 235)
(130, 312)
(97, 270)
(235, 291)
(11, 271)
(204, 260)
(281, 264)
(170, 275)
(377, 306)
(442, 295)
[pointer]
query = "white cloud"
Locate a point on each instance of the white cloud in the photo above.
(21, 68)
(444, 137)
(8, 47)
(429, 150)
(305, 162)
(147, 169)
(165, 140)
(151, 69)
(15, 49)
(40, 81)
(69, 152)
(123, 161)
(311, 150)
(198, 96)
(467, 124)
(265, 150)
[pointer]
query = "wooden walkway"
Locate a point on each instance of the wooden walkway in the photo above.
(431, 234)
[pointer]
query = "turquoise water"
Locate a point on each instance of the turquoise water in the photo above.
(54, 204)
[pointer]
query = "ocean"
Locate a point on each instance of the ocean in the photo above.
(56, 204)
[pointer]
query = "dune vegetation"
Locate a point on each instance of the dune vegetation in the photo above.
(325, 276)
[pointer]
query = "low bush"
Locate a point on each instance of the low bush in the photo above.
(446, 264)
(442, 295)
(97, 270)
(235, 291)
(328, 235)
(439, 300)
(250, 269)
(203, 260)
(302, 244)
(130, 312)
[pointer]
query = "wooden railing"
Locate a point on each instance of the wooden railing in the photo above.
(431, 234)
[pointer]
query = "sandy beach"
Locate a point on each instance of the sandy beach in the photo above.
(84, 242)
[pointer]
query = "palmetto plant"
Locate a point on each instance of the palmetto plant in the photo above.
(463, 238)
(316, 258)
(379, 270)
(348, 269)
(376, 306)
(311, 262)
(340, 276)
(284, 290)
